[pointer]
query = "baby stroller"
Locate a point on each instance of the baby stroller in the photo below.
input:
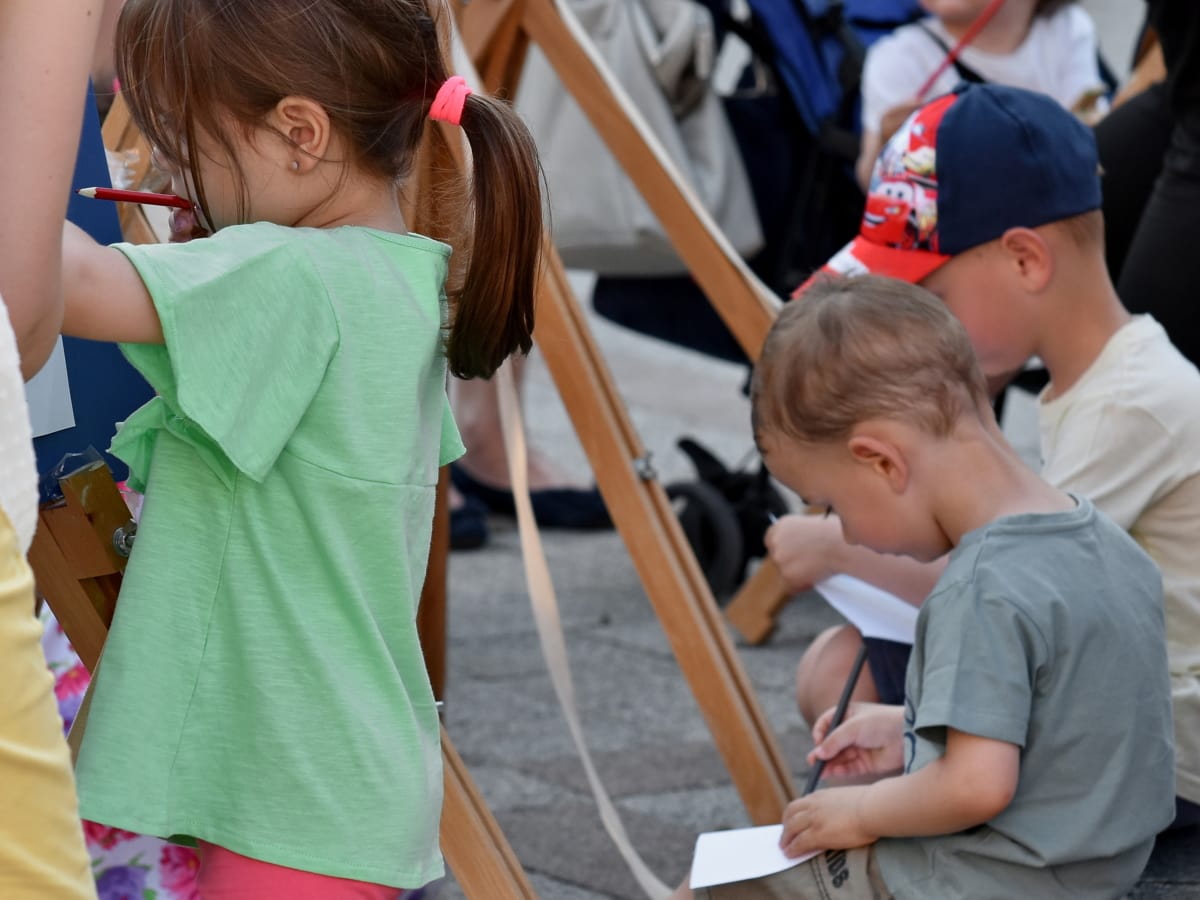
(795, 118)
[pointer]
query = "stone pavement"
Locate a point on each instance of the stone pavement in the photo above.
(649, 741)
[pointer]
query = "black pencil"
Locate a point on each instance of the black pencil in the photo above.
(838, 714)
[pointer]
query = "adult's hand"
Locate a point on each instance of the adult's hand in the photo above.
(46, 49)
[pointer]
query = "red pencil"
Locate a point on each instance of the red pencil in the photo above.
(102, 193)
(969, 35)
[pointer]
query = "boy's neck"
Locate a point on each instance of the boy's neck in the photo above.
(1083, 315)
(980, 479)
(1005, 32)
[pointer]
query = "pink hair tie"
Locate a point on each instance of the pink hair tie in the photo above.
(450, 100)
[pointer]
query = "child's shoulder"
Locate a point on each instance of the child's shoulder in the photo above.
(1140, 369)
(233, 251)
(914, 44)
(1052, 547)
(359, 239)
(1038, 571)
(316, 249)
(895, 66)
(232, 243)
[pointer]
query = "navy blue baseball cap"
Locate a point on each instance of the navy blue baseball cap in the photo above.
(962, 170)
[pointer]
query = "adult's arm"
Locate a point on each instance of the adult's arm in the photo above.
(46, 49)
(104, 298)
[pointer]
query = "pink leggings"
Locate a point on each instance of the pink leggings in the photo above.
(225, 875)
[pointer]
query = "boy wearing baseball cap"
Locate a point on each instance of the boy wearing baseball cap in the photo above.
(989, 197)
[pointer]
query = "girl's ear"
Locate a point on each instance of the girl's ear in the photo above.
(305, 125)
(881, 457)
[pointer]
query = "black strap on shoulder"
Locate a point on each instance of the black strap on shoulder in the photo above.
(965, 72)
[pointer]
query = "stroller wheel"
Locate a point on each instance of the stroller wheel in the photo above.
(712, 528)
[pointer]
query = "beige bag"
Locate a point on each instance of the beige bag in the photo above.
(662, 53)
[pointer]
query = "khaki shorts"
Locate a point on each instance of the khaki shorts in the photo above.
(832, 875)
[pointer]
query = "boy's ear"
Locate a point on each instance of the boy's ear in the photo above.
(882, 457)
(1030, 256)
(305, 125)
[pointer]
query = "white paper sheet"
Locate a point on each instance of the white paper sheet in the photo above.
(49, 396)
(876, 613)
(723, 857)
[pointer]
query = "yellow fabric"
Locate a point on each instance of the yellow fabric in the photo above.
(42, 856)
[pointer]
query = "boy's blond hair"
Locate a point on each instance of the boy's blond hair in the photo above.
(866, 347)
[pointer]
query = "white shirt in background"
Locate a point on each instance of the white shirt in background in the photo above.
(1058, 57)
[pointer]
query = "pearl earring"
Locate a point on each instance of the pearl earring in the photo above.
(295, 165)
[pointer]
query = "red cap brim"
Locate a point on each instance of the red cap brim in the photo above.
(863, 257)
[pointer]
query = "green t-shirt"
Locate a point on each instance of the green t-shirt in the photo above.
(1045, 631)
(263, 686)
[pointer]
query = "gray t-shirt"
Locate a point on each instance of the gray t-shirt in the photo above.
(1045, 631)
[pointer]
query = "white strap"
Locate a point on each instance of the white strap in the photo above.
(549, 626)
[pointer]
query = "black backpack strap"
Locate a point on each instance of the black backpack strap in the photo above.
(965, 72)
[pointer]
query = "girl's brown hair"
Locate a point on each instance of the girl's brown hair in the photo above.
(858, 348)
(192, 66)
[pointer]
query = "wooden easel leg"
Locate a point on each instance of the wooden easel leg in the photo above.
(496, 26)
(660, 552)
(752, 611)
(66, 597)
(475, 848)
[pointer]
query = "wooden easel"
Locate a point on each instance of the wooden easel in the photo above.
(496, 34)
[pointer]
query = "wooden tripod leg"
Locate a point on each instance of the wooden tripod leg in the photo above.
(475, 848)
(66, 597)
(752, 612)
(664, 560)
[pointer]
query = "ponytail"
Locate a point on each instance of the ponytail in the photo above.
(492, 312)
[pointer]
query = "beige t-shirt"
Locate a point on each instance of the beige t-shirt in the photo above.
(18, 472)
(1127, 436)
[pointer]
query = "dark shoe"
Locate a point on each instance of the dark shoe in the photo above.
(468, 525)
(552, 507)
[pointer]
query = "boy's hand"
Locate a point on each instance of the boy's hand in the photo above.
(870, 741)
(825, 820)
(802, 547)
